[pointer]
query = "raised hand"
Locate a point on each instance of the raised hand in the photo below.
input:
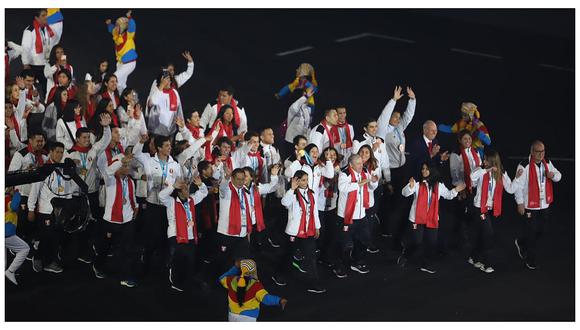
(179, 122)
(519, 173)
(187, 56)
(275, 169)
(309, 92)
(294, 184)
(143, 138)
(105, 119)
(20, 82)
(521, 209)
(412, 183)
(410, 93)
(398, 93)
(197, 181)
(550, 175)
(445, 156)
(375, 178)
(108, 21)
(128, 14)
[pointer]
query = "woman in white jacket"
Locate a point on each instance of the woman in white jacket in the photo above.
(66, 127)
(424, 215)
(303, 226)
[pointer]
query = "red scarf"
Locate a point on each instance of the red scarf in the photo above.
(107, 96)
(467, 168)
(234, 105)
(72, 90)
(78, 121)
(117, 210)
(304, 232)
(235, 218)
(37, 156)
(38, 41)
(90, 111)
(260, 225)
(194, 131)
(80, 149)
(534, 189)
(29, 94)
(353, 196)
(109, 153)
(336, 134)
(498, 191)
(172, 98)
(181, 222)
(115, 119)
(260, 161)
(331, 137)
(427, 214)
(16, 126)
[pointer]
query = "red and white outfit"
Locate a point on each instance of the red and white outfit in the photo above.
(303, 220)
(120, 202)
(321, 135)
(489, 193)
(353, 200)
(254, 195)
(535, 189)
(343, 134)
(234, 215)
(210, 113)
(462, 165)
(181, 215)
(165, 108)
(425, 207)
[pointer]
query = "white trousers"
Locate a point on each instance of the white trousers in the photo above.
(122, 73)
(18, 246)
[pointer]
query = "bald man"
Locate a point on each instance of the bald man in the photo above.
(426, 149)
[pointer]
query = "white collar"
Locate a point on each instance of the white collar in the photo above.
(426, 140)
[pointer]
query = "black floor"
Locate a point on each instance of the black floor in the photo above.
(519, 101)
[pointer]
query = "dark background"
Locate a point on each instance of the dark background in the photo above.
(519, 100)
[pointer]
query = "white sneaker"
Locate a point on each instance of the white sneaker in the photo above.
(11, 276)
(487, 269)
(478, 265)
(470, 261)
(519, 249)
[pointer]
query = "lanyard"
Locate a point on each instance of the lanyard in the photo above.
(342, 132)
(251, 193)
(187, 211)
(490, 187)
(164, 166)
(242, 202)
(254, 161)
(84, 159)
(398, 135)
(125, 184)
(542, 174)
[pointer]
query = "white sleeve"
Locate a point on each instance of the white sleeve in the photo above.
(266, 188)
(557, 174)
(16, 143)
(345, 184)
(385, 116)
(165, 195)
(295, 107)
(446, 193)
(408, 191)
(26, 47)
(204, 122)
(34, 194)
(328, 170)
(454, 168)
(200, 194)
(408, 115)
(508, 185)
(49, 71)
(519, 192)
(290, 170)
(183, 77)
(477, 174)
(288, 198)
(102, 144)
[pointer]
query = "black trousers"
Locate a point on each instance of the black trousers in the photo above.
(50, 235)
(276, 217)
(110, 234)
(26, 230)
(481, 236)
(154, 232)
(87, 237)
(532, 225)
(355, 241)
(421, 243)
(182, 260)
(456, 233)
(328, 241)
(394, 213)
(230, 248)
(307, 247)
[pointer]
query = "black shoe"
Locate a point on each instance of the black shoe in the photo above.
(296, 264)
(372, 249)
(340, 272)
(279, 280)
(325, 263)
(401, 261)
(316, 289)
(272, 243)
(428, 269)
(98, 274)
(531, 265)
(85, 259)
(362, 268)
(520, 254)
